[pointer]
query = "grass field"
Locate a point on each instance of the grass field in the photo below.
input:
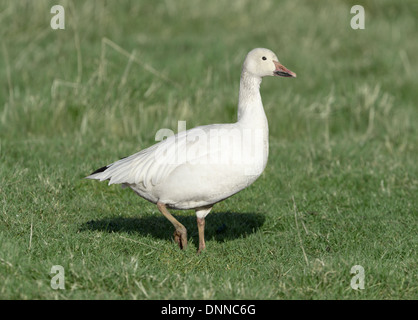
(340, 188)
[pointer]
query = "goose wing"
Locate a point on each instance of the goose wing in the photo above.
(152, 165)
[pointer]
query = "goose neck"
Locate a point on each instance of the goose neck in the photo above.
(250, 106)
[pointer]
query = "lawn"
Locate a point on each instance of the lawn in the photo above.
(340, 188)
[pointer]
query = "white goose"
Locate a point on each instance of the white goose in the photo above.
(197, 168)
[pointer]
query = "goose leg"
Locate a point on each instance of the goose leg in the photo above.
(180, 235)
(201, 229)
(201, 213)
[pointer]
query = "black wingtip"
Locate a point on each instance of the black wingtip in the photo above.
(100, 170)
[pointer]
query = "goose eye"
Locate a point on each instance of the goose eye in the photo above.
(264, 58)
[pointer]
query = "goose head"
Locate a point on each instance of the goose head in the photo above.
(262, 62)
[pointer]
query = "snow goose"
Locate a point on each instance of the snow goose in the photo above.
(197, 168)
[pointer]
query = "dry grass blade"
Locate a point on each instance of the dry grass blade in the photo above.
(122, 51)
(298, 232)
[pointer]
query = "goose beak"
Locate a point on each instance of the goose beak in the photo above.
(282, 71)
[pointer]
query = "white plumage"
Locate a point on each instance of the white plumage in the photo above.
(197, 168)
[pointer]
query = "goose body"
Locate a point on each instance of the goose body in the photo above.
(197, 168)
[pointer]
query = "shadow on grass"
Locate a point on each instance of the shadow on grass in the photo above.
(220, 226)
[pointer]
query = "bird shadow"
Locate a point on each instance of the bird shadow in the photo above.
(220, 226)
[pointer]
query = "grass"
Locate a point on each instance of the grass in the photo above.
(340, 188)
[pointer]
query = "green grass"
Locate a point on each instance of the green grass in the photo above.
(340, 188)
